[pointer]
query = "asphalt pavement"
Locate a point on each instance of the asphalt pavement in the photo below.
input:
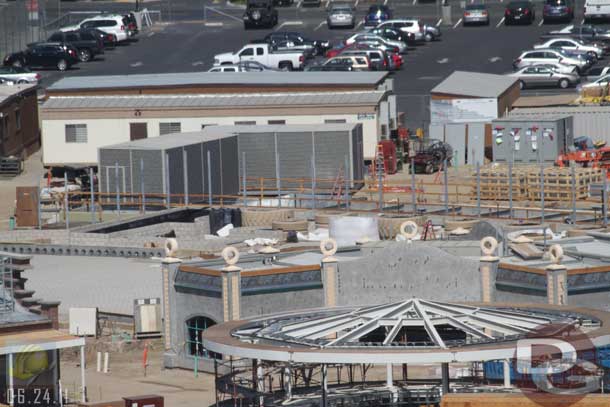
(191, 33)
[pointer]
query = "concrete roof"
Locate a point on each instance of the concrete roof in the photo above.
(8, 91)
(215, 101)
(474, 84)
(218, 78)
(218, 132)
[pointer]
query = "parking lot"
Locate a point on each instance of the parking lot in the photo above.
(199, 31)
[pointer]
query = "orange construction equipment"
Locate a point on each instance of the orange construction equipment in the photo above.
(587, 154)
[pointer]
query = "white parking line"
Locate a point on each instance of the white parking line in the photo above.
(442, 61)
(458, 23)
(137, 64)
(299, 3)
(213, 24)
(440, 20)
(385, 2)
(319, 25)
(582, 22)
(494, 59)
(359, 24)
(356, 3)
(541, 22)
(150, 34)
(414, 2)
(500, 23)
(197, 63)
(284, 24)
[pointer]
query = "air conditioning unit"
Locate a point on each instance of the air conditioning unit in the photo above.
(83, 321)
(147, 318)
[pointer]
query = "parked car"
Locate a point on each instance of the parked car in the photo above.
(377, 14)
(260, 13)
(544, 75)
(431, 33)
(581, 32)
(568, 69)
(44, 54)
(19, 74)
(299, 40)
(413, 26)
(346, 66)
(132, 24)
(376, 41)
(111, 24)
(108, 40)
(244, 66)
(341, 15)
(542, 56)
(312, 3)
(476, 14)
(431, 158)
(263, 53)
(87, 44)
(597, 10)
(555, 10)
(519, 12)
(357, 62)
(394, 34)
(6, 82)
(570, 44)
(592, 75)
(378, 60)
(598, 83)
(283, 2)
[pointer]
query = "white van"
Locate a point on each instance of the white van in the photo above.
(597, 9)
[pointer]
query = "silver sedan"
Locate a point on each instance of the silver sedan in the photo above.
(476, 14)
(341, 15)
(542, 75)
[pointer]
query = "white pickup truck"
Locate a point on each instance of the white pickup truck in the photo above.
(263, 53)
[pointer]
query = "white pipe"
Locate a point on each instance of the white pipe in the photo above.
(506, 368)
(82, 374)
(99, 362)
(106, 357)
(11, 380)
(389, 376)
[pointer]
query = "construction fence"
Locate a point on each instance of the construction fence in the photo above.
(524, 193)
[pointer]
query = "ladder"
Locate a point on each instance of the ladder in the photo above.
(428, 231)
(338, 186)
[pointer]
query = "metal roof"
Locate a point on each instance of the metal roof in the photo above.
(210, 133)
(218, 78)
(214, 101)
(8, 91)
(475, 84)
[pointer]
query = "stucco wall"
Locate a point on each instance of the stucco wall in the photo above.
(104, 132)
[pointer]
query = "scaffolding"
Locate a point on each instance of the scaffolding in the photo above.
(7, 300)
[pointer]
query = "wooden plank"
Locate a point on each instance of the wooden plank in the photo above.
(527, 251)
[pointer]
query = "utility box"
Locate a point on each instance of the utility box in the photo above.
(147, 317)
(27, 206)
(530, 140)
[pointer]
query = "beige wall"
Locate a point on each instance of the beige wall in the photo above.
(103, 132)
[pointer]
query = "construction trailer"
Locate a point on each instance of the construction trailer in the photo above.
(179, 161)
(531, 139)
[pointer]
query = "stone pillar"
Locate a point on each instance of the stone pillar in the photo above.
(488, 266)
(288, 382)
(169, 268)
(389, 381)
(231, 285)
(50, 310)
(329, 272)
(506, 369)
(556, 278)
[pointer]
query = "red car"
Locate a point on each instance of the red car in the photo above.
(397, 59)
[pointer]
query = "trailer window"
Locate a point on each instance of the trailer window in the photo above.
(76, 133)
(169, 128)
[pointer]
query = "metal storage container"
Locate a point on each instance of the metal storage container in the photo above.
(529, 140)
(175, 162)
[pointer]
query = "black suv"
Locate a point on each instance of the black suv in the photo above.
(319, 47)
(260, 13)
(87, 44)
(45, 54)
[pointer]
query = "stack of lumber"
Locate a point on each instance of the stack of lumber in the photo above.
(495, 183)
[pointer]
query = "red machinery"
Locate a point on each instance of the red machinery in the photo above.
(587, 154)
(388, 149)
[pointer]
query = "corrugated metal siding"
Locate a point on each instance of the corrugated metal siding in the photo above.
(590, 121)
(330, 151)
(230, 166)
(153, 171)
(214, 148)
(108, 160)
(260, 154)
(176, 172)
(194, 161)
(295, 151)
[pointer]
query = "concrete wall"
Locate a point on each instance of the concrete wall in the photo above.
(402, 271)
(104, 132)
(257, 305)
